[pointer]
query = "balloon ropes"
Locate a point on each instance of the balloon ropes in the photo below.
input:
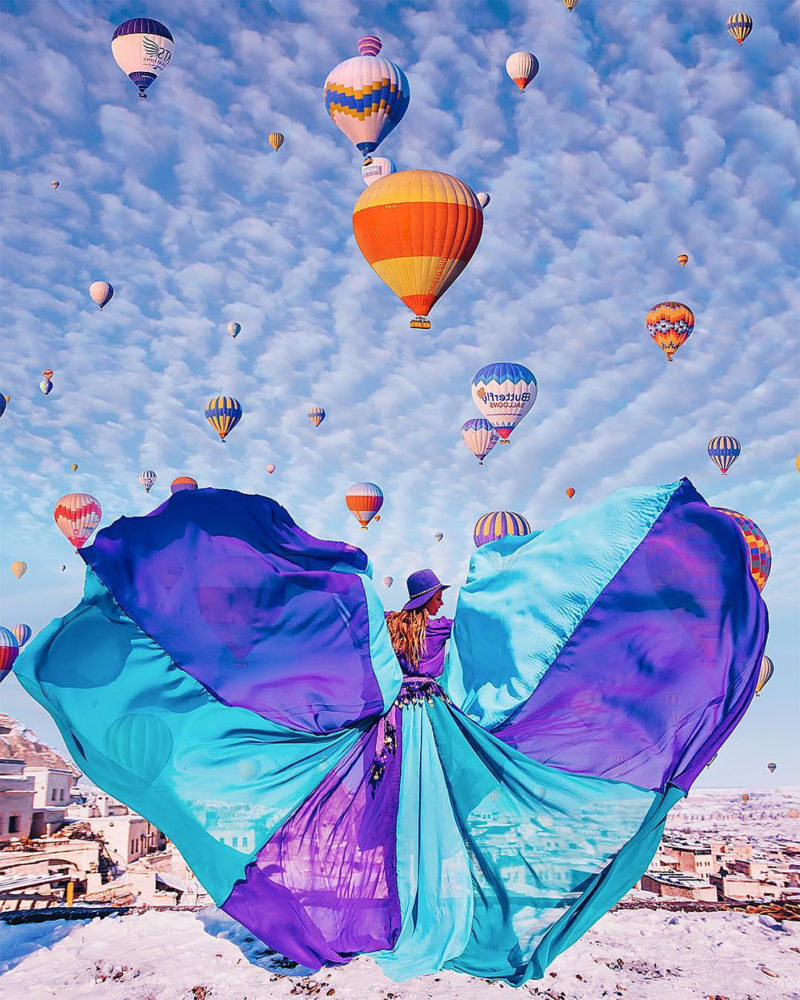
(364, 500)
(142, 48)
(418, 230)
(504, 392)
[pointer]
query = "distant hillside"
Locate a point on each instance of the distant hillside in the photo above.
(23, 744)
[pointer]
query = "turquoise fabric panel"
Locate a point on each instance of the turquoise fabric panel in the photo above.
(384, 663)
(524, 597)
(433, 874)
(210, 776)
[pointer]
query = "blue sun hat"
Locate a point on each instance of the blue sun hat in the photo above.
(422, 585)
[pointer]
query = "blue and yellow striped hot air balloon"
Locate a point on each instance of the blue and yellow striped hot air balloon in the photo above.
(316, 414)
(223, 413)
(739, 26)
(723, 452)
(498, 524)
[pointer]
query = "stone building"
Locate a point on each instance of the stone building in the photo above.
(678, 885)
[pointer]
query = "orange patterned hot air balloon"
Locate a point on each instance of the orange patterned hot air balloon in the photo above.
(570, 492)
(670, 324)
(418, 230)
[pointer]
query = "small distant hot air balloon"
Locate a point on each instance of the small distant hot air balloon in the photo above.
(234, 329)
(570, 4)
(63, 567)
(438, 536)
(745, 797)
(723, 452)
(3, 404)
(77, 515)
(147, 478)
(522, 67)
(46, 386)
(497, 524)
(765, 673)
(377, 517)
(570, 492)
(101, 292)
(504, 392)
(9, 651)
(142, 48)
(181, 483)
(19, 568)
(739, 26)
(483, 198)
(760, 552)
(270, 469)
(364, 500)
(479, 436)
(316, 414)
(771, 767)
(22, 633)
(54, 185)
(670, 324)
(683, 259)
(276, 140)
(398, 227)
(377, 167)
(366, 96)
(74, 466)
(388, 581)
(223, 413)
(793, 813)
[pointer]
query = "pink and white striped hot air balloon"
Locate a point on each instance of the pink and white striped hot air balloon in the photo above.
(77, 515)
(364, 500)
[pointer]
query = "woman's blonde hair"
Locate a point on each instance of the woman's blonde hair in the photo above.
(407, 632)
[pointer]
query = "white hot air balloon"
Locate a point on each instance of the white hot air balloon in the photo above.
(504, 392)
(483, 198)
(388, 581)
(480, 437)
(147, 478)
(377, 167)
(142, 48)
(101, 292)
(522, 67)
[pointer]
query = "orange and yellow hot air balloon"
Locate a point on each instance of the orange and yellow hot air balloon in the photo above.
(683, 259)
(418, 230)
(670, 324)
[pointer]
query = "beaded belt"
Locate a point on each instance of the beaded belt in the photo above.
(416, 690)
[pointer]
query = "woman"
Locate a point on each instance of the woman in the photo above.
(234, 680)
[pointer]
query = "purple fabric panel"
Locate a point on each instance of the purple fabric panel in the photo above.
(324, 887)
(663, 665)
(248, 604)
(431, 664)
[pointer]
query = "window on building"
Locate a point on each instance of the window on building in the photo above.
(61, 795)
(235, 841)
(13, 824)
(244, 841)
(133, 847)
(53, 795)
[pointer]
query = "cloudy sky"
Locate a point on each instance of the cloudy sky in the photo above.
(647, 132)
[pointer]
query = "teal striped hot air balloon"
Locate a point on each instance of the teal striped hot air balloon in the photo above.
(723, 451)
(497, 524)
(223, 413)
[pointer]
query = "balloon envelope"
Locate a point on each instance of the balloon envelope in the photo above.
(438, 536)
(757, 544)
(504, 392)
(378, 166)
(223, 413)
(388, 581)
(234, 329)
(418, 230)
(765, 673)
(54, 185)
(670, 324)
(483, 199)
(364, 500)
(142, 48)
(479, 436)
(570, 492)
(4, 404)
(739, 26)
(723, 452)
(316, 415)
(771, 767)
(683, 259)
(74, 467)
(9, 650)
(101, 292)
(147, 478)
(522, 67)
(77, 515)
(270, 469)
(46, 386)
(497, 524)
(22, 633)
(19, 568)
(366, 97)
(181, 483)
(276, 140)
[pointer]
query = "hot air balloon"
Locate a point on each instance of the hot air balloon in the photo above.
(504, 392)
(366, 96)
(765, 673)
(480, 437)
(723, 452)
(181, 483)
(418, 230)
(771, 767)
(739, 26)
(142, 48)
(54, 185)
(276, 140)
(77, 515)
(223, 413)
(760, 552)
(377, 167)
(3, 404)
(570, 492)
(101, 292)
(670, 324)
(438, 536)
(498, 524)
(22, 633)
(522, 67)
(683, 259)
(793, 813)
(377, 517)
(234, 329)
(9, 651)
(364, 500)
(388, 581)
(63, 567)
(19, 569)
(48, 373)
(74, 467)
(46, 386)
(745, 797)
(147, 478)
(570, 4)
(316, 414)
(483, 198)
(270, 469)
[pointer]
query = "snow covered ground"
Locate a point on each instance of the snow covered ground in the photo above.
(638, 954)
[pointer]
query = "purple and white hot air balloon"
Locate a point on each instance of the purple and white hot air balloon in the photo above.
(142, 48)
